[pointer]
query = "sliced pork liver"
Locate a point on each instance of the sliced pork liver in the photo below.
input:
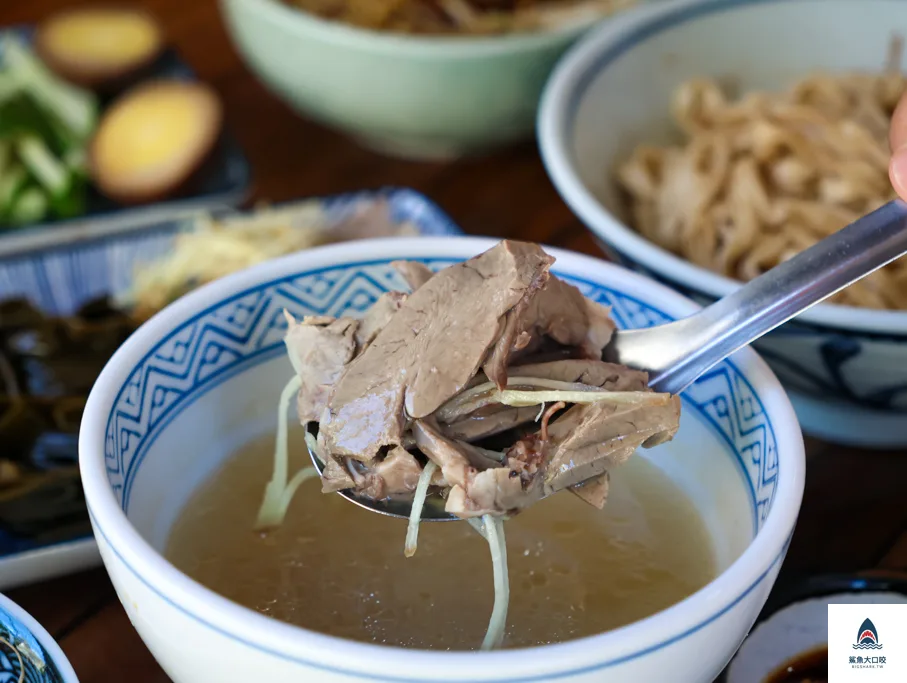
(478, 484)
(319, 348)
(377, 317)
(594, 491)
(416, 274)
(484, 423)
(559, 313)
(595, 373)
(582, 445)
(429, 349)
(588, 440)
(375, 388)
(393, 475)
(335, 477)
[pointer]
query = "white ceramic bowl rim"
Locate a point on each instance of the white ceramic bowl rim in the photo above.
(561, 99)
(358, 659)
(469, 47)
(53, 651)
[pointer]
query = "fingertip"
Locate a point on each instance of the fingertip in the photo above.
(897, 171)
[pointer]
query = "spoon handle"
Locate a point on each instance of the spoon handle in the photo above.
(708, 337)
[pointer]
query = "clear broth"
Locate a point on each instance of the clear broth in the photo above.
(335, 568)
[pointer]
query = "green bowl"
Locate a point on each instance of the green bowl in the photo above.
(417, 97)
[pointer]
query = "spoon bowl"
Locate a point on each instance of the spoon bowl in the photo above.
(432, 511)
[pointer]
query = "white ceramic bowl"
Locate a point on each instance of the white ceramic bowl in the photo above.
(413, 96)
(203, 376)
(28, 652)
(845, 367)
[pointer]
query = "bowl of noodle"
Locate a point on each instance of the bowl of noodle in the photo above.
(704, 142)
(412, 78)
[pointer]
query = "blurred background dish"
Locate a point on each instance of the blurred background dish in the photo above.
(67, 98)
(845, 366)
(409, 95)
(64, 310)
(460, 17)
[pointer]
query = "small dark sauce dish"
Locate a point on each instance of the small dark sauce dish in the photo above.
(809, 668)
(810, 665)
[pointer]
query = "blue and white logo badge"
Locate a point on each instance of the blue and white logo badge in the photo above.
(868, 637)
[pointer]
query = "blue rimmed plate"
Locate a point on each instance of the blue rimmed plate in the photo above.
(28, 654)
(61, 278)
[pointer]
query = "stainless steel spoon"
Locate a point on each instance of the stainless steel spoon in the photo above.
(676, 353)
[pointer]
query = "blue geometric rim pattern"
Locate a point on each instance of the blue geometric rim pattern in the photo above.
(21, 656)
(248, 329)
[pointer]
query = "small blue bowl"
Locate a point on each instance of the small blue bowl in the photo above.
(27, 652)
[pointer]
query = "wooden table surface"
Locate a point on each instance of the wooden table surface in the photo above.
(506, 195)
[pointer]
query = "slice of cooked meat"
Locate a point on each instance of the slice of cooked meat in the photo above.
(400, 471)
(601, 328)
(452, 460)
(377, 317)
(416, 274)
(391, 384)
(394, 475)
(581, 446)
(511, 339)
(488, 421)
(594, 491)
(595, 373)
(492, 492)
(590, 439)
(558, 312)
(319, 348)
(479, 485)
(335, 477)
(429, 350)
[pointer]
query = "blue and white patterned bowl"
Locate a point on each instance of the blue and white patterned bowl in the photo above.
(844, 367)
(27, 652)
(203, 376)
(61, 277)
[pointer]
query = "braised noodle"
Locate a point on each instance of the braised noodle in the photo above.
(461, 16)
(762, 177)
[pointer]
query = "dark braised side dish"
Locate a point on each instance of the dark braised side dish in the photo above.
(47, 368)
